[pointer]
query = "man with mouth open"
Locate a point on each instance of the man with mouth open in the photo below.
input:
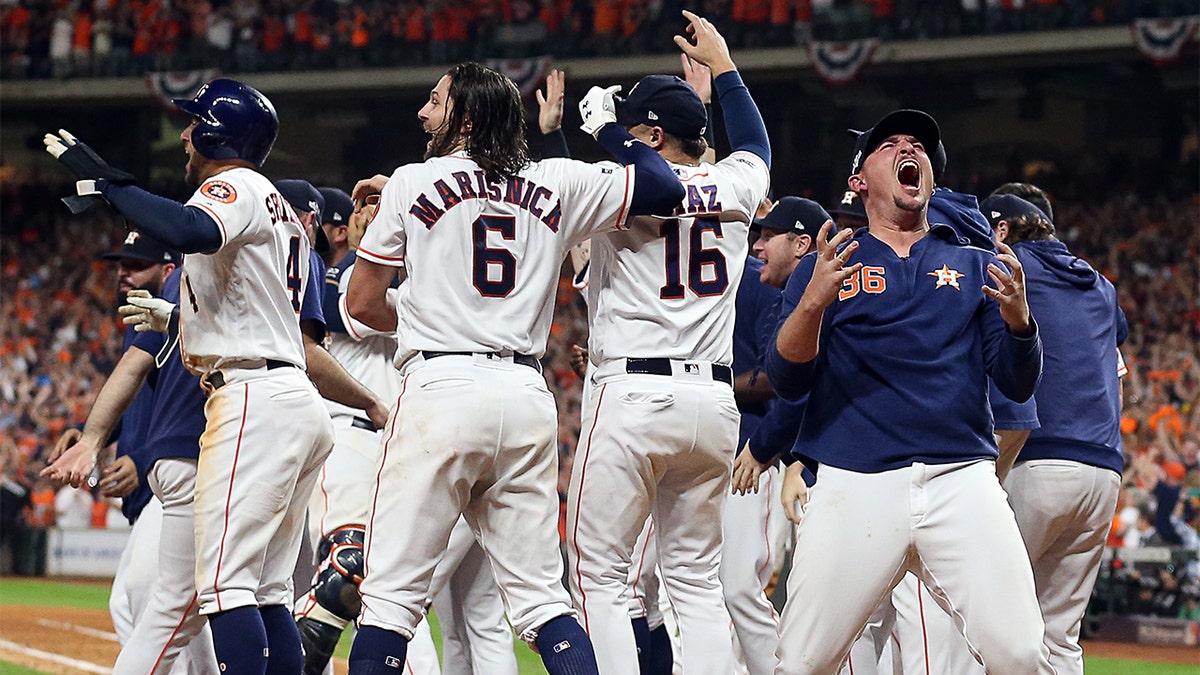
(893, 330)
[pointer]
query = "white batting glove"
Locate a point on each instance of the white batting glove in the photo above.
(146, 312)
(598, 108)
(57, 144)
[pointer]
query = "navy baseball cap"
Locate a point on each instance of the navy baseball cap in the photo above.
(850, 205)
(338, 206)
(306, 198)
(1005, 207)
(664, 101)
(301, 195)
(915, 123)
(138, 246)
(793, 214)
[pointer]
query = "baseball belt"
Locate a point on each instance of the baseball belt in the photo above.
(522, 359)
(663, 367)
(215, 380)
(362, 423)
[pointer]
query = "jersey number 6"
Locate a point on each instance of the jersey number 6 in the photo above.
(485, 258)
(671, 231)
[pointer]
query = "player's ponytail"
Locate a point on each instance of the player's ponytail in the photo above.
(488, 109)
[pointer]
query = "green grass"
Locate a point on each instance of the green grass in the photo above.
(14, 669)
(1102, 666)
(95, 596)
(49, 593)
(46, 593)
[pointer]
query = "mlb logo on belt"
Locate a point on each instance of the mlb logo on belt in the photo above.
(691, 368)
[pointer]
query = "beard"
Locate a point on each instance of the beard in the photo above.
(911, 206)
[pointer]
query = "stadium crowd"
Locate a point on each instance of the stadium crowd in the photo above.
(57, 38)
(59, 337)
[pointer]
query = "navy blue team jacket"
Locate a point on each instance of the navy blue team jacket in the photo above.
(904, 357)
(1081, 326)
(131, 439)
(177, 417)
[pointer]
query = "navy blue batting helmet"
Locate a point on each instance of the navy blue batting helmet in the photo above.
(235, 121)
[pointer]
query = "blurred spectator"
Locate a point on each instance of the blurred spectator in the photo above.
(73, 508)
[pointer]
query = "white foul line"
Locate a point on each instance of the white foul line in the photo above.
(83, 630)
(85, 666)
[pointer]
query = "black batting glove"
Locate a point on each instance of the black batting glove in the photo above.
(82, 160)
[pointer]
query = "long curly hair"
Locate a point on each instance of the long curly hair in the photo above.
(487, 108)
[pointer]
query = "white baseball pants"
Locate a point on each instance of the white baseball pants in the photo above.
(342, 494)
(746, 567)
(1064, 510)
(950, 524)
(171, 622)
(266, 436)
(930, 643)
(473, 436)
(661, 446)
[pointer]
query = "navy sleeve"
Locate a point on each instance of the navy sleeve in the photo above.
(1014, 363)
(776, 433)
(310, 306)
(555, 144)
(743, 123)
(183, 228)
(656, 188)
(1122, 324)
(333, 319)
(791, 380)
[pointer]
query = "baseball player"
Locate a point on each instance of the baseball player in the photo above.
(905, 335)
(338, 508)
(785, 235)
(1064, 486)
(169, 623)
(925, 636)
(480, 232)
(245, 275)
(661, 423)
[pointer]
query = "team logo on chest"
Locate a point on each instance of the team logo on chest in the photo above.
(220, 191)
(947, 277)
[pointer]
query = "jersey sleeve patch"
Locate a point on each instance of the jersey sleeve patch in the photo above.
(219, 191)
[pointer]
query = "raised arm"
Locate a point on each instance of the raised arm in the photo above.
(743, 123)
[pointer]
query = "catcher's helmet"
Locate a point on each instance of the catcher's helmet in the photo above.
(235, 121)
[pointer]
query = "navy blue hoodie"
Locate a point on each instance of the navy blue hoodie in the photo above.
(902, 367)
(961, 212)
(1079, 403)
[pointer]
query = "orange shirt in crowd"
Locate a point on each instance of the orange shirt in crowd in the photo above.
(274, 32)
(1169, 416)
(83, 32)
(359, 35)
(606, 16)
(100, 514)
(781, 12)
(41, 508)
(304, 27)
(414, 26)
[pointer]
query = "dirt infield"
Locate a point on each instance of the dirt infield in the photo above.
(82, 641)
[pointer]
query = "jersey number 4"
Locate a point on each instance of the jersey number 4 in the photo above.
(294, 282)
(699, 258)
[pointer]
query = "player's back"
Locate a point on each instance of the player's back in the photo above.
(241, 303)
(665, 287)
(483, 258)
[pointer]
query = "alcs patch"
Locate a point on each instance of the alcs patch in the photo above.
(220, 191)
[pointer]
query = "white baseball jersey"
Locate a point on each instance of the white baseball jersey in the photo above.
(474, 238)
(242, 302)
(366, 359)
(660, 290)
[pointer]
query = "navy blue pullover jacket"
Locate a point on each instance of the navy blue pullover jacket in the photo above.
(1081, 325)
(902, 366)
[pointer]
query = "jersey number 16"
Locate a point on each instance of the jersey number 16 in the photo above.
(698, 258)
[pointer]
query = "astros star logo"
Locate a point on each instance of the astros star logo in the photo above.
(947, 277)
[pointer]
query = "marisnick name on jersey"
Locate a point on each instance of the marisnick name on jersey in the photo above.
(525, 194)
